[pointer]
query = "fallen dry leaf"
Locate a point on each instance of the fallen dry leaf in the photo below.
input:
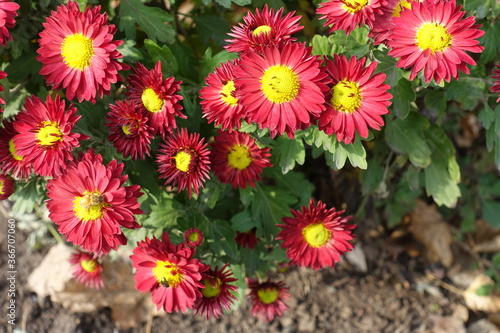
(428, 228)
(487, 303)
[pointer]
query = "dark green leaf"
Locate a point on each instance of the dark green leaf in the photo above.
(387, 65)
(169, 65)
(129, 52)
(153, 20)
(243, 221)
(404, 136)
(435, 101)
(402, 96)
(486, 116)
(467, 90)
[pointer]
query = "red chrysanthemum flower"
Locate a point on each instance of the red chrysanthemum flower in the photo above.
(263, 29)
(193, 237)
(216, 296)
(10, 160)
(219, 102)
(357, 99)
(45, 139)
(347, 15)
(87, 269)
(130, 133)
(7, 186)
(495, 75)
(268, 298)
(8, 12)
(247, 239)
(3, 75)
(183, 160)
(169, 272)
(78, 53)
(237, 160)
(157, 97)
(89, 203)
(383, 22)
(281, 89)
(434, 38)
(316, 237)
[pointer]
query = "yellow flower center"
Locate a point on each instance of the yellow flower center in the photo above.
(89, 207)
(49, 134)
(226, 94)
(346, 96)
(403, 4)
(239, 157)
(89, 265)
(194, 237)
(183, 160)
(212, 287)
(126, 130)
(1, 187)
(12, 150)
(354, 6)
(262, 29)
(316, 235)
(268, 295)
(151, 100)
(280, 84)
(77, 50)
(167, 274)
(433, 36)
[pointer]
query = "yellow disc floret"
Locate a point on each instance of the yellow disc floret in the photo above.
(268, 295)
(316, 235)
(12, 150)
(77, 50)
(239, 157)
(126, 129)
(280, 84)
(354, 6)
(183, 160)
(433, 36)
(151, 100)
(49, 134)
(212, 287)
(90, 206)
(403, 4)
(261, 29)
(90, 265)
(227, 93)
(167, 274)
(346, 96)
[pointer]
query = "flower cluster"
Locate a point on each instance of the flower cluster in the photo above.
(272, 83)
(279, 85)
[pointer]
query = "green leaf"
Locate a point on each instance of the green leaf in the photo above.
(356, 154)
(486, 116)
(81, 4)
(440, 185)
(243, 221)
(211, 62)
(435, 101)
(490, 40)
(387, 65)
(289, 151)
(466, 90)
(269, 206)
(129, 52)
(293, 182)
(151, 19)
(169, 65)
(313, 136)
(406, 137)
(212, 28)
(223, 234)
(165, 213)
(321, 46)
(242, 2)
(402, 96)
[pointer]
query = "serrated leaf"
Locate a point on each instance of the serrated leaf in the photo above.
(165, 213)
(440, 185)
(129, 52)
(289, 151)
(387, 65)
(313, 136)
(269, 206)
(321, 45)
(486, 116)
(405, 137)
(490, 40)
(151, 19)
(435, 101)
(210, 62)
(356, 154)
(466, 90)
(402, 96)
(169, 65)
(223, 234)
(293, 182)
(212, 27)
(243, 221)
